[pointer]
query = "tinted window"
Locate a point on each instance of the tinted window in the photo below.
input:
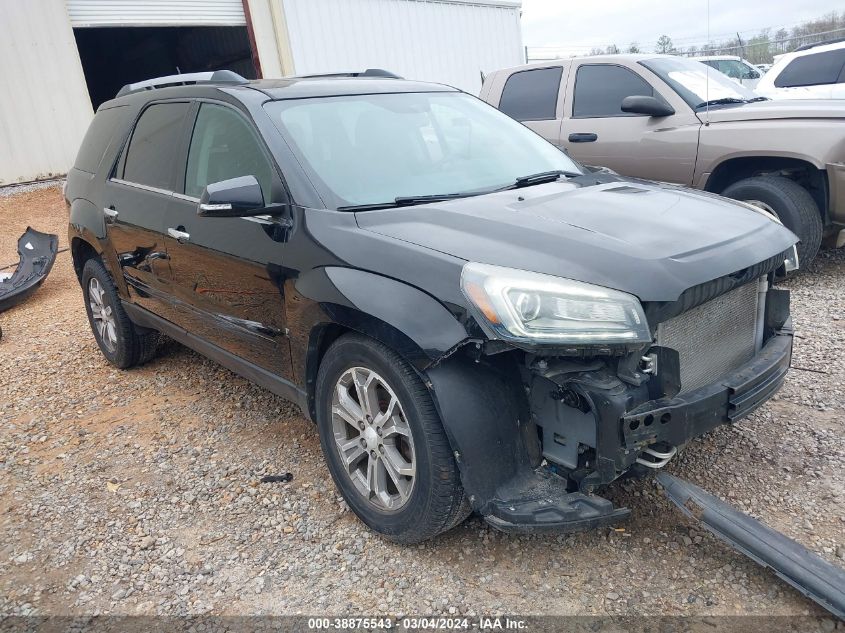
(531, 95)
(149, 157)
(97, 139)
(599, 90)
(812, 70)
(224, 146)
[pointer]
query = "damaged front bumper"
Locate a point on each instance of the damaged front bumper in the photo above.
(37, 252)
(534, 464)
(674, 421)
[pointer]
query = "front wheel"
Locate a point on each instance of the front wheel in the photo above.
(791, 203)
(384, 443)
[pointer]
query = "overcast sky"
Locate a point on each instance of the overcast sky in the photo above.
(577, 26)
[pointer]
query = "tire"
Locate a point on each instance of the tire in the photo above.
(123, 343)
(433, 499)
(793, 205)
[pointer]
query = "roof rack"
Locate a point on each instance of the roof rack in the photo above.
(370, 72)
(807, 47)
(215, 77)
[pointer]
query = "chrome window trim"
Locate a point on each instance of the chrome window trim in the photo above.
(182, 196)
(138, 185)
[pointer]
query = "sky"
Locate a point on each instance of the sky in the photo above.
(574, 26)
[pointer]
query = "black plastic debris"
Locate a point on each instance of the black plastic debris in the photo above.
(272, 479)
(37, 252)
(810, 574)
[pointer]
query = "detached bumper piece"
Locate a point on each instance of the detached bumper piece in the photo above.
(808, 573)
(37, 252)
(544, 505)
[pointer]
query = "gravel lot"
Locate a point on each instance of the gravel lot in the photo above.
(138, 492)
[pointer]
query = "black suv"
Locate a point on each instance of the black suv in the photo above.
(473, 320)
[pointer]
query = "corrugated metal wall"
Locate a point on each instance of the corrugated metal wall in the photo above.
(156, 12)
(443, 41)
(44, 104)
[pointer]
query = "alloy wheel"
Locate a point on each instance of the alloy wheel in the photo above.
(373, 438)
(102, 314)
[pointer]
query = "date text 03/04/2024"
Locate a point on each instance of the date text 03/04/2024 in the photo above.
(418, 623)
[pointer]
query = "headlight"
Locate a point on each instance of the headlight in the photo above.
(530, 307)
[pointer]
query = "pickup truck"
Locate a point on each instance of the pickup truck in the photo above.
(672, 119)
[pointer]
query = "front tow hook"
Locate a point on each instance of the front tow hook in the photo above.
(810, 574)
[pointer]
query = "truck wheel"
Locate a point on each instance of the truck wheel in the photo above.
(791, 203)
(123, 343)
(384, 443)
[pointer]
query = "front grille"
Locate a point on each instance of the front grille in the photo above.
(714, 338)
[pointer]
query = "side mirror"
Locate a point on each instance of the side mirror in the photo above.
(652, 106)
(234, 198)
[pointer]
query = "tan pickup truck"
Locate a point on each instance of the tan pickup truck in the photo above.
(673, 119)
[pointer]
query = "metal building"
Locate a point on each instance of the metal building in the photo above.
(59, 59)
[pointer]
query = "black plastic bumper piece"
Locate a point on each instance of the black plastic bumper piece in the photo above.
(37, 252)
(807, 572)
(679, 419)
(546, 506)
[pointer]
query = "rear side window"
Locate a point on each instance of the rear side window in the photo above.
(224, 146)
(531, 95)
(813, 70)
(600, 89)
(97, 139)
(734, 69)
(154, 143)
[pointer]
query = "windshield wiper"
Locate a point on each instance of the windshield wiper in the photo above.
(542, 177)
(723, 101)
(755, 99)
(406, 201)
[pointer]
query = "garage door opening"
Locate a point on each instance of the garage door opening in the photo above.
(115, 56)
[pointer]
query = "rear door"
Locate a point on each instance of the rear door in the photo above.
(136, 197)
(226, 273)
(596, 131)
(534, 97)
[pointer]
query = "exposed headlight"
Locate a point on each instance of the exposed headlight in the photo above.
(530, 307)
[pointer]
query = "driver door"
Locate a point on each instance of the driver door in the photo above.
(595, 131)
(226, 273)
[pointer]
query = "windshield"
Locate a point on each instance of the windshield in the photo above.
(695, 82)
(372, 149)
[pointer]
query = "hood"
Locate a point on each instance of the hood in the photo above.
(778, 109)
(650, 240)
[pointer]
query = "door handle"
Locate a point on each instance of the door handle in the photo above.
(110, 214)
(583, 137)
(179, 236)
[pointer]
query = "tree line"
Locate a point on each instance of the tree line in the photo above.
(759, 49)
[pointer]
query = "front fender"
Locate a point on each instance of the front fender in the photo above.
(404, 318)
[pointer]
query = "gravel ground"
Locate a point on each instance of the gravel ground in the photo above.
(138, 492)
